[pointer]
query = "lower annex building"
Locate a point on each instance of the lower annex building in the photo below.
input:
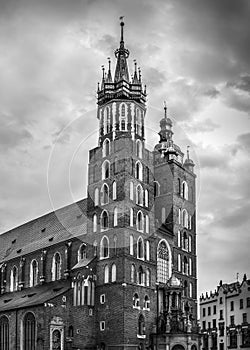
(116, 270)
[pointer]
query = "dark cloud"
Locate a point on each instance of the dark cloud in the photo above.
(244, 141)
(243, 83)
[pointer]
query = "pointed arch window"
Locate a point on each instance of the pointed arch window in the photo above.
(163, 261)
(185, 265)
(106, 274)
(141, 325)
(104, 247)
(29, 327)
(106, 148)
(139, 148)
(148, 277)
(123, 119)
(104, 194)
(136, 301)
(139, 195)
(115, 244)
(56, 267)
(140, 221)
(184, 190)
(140, 248)
(179, 238)
(189, 243)
(131, 245)
(132, 273)
(104, 220)
(185, 218)
(105, 169)
(115, 217)
(33, 273)
(139, 171)
(131, 217)
(185, 241)
(191, 290)
(156, 188)
(147, 251)
(82, 252)
(147, 224)
(179, 262)
(114, 190)
(14, 279)
(107, 123)
(113, 273)
(146, 198)
(4, 333)
(94, 223)
(190, 267)
(141, 276)
(96, 197)
(185, 290)
(146, 303)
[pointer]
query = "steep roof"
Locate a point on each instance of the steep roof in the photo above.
(47, 230)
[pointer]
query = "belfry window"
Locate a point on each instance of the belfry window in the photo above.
(163, 262)
(139, 195)
(123, 120)
(104, 194)
(139, 171)
(104, 248)
(106, 148)
(33, 273)
(105, 169)
(184, 190)
(140, 221)
(141, 276)
(139, 148)
(4, 333)
(140, 248)
(104, 220)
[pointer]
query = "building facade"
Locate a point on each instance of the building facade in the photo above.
(118, 268)
(225, 316)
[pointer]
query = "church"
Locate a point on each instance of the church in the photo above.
(116, 270)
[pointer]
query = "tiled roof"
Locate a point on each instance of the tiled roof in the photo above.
(47, 230)
(33, 296)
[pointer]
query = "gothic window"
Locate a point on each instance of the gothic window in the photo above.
(185, 265)
(56, 267)
(189, 243)
(140, 248)
(123, 120)
(114, 191)
(141, 325)
(140, 221)
(105, 169)
(148, 278)
(104, 194)
(139, 171)
(115, 217)
(140, 276)
(190, 266)
(179, 239)
(113, 273)
(185, 290)
(139, 195)
(106, 120)
(163, 262)
(136, 301)
(71, 332)
(139, 148)
(82, 253)
(131, 245)
(94, 223)
(14, 279)
(147, 224)
(96, 197)
(131, 217)
(4, 333)
(163, 215)
(184, 190)
(104, 247)
(185, 241)
(115, 244)
(147, 251)
(179, 262)
(191, 290)
(132, 273)
(146, 302)
(147, 175)
(179, 187)
(146, 198)
(106, 148)
(131, 190)
(33, 273)
(104, 220)
(184, 218)
(179, 216)
(29, 327)
(156, 188)
(106, 274)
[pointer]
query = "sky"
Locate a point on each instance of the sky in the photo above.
(193, 54)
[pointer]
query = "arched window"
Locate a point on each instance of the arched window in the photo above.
(141, 325)
(106, 148)
(14, 279)
(115, 217)
(140, 248)
(148, 278)
(132, 273)
(96, 197)
(123, 119)
(184, 218)
(82, 252)
(179, 216)
(179, 262)
(114, 191)
(104, 220)
(146, 198)
(4, 333)
(156, 189)
(104, 247)
(185, 265)
(139, 171)
(106, 274)
(139, 195)
(189, 243)
(141, 276)
(190, 222)
(185, 290)
(136, 301)
(33, 273)
(94, 223)
(140, 221)
(179, 239)
(113, 273)
(115, 244)
(190, 267)
(147, 251)
(131, 245)
(105, 169)
(107, 125)
(104, 194)
(147, 224)
(179, 187)
(131, 189)
(190, 290)
(185, 241)
(163, 262)
(29, 332)
(163, 215)
(139, 148)
(146, 302)
(56, 267)
(184, 190)
(131, 217)
(71, 332)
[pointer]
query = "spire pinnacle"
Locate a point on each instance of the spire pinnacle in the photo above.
(121, 70)
(122, 25)
(188, 152)
(109, 76)
(165, 110)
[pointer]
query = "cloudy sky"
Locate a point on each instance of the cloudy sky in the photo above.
(194, 54)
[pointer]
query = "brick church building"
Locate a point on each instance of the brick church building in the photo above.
(116, 270)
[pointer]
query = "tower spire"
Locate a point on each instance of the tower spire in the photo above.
(121, 70)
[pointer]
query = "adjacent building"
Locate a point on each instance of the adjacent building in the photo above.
(116, 270)
(225, 316)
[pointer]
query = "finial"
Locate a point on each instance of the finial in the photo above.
(145, 89)
(135, 63)
(109, 62)
(98, 86)
(165, 109)
(122, 25)
(139, 70)
(103, 72)
(188, 152)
